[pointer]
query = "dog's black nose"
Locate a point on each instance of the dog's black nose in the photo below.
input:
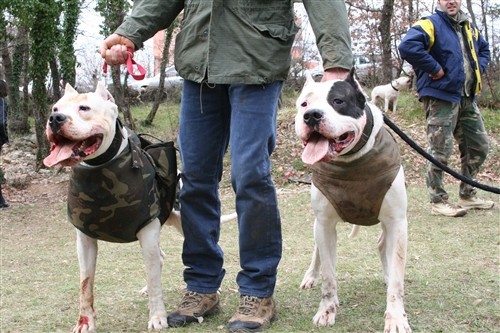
(56, 120)
(313, 117)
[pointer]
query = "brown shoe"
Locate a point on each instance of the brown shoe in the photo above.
(447, 209)
(475, 203)
(193, 307)
(253, 315)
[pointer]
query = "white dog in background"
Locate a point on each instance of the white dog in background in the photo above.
(389, 93)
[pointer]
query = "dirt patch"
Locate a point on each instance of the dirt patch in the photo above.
(26, 185)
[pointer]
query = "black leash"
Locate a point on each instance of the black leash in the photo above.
(436, 162)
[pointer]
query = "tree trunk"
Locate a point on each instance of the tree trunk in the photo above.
(164, 61)
(55, 78)
(471, 12)
(43, 35)
(385, 35)
(19, 108)
(67, 52)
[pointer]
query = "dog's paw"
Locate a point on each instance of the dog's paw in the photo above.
(396, 322)
(309, 281)
(326, 312)
(144, 291)
(86, 324)
(157, 322)
(324, 318)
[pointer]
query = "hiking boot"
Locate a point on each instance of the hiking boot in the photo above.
(475, 203)
(193, 307)
(447, 209)
(254, 314)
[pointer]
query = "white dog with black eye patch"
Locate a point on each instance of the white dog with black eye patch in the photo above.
(357, 177)
(389, 93)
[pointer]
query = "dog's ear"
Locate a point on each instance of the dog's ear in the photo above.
(351, 78)
(309, 78)
(359, 93)
(69, 90)
(103, 92)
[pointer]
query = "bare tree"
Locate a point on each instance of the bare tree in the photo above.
(385, 36)
(113, 13)
(165, 59)
(471, 12)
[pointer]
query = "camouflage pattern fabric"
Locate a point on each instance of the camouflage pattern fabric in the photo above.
(446, 121)
(164, 156)
(357, 189)
(113, 201)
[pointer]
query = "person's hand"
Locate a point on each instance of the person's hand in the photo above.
(114, 49)
(438, 75)
(335, 74)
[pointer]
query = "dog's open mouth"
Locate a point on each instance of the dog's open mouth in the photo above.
(320, 148)
(67, 152)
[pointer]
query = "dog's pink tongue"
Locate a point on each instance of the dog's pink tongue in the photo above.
(58, 153)
(315, 150)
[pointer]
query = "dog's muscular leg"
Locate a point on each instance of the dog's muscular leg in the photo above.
(311, 276)
(393, 248)
(325, 235)
(149, 238)
(87, 255)
(326, 238)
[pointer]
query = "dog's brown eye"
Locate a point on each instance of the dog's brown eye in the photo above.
(84, 108)
(55, 110)
(304, 104)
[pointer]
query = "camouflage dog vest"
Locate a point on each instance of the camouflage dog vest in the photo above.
(113, 201)
(356, 189)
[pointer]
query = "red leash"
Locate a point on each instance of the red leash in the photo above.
(130, 66)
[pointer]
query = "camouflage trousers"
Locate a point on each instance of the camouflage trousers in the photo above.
(464, 123)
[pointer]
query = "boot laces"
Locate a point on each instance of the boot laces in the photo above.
(190, 299)
(249, 305)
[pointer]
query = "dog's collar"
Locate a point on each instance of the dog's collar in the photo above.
(394, 87)
(367, 131)
(112, 150)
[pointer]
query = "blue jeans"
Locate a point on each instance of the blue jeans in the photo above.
(213, 118)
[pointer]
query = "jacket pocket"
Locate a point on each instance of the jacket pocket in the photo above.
(277, 31)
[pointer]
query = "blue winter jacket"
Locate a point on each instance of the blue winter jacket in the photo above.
(432, 43)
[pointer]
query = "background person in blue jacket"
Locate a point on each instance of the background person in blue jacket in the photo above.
(449, 55)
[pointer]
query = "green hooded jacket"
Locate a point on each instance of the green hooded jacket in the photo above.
(240, 41)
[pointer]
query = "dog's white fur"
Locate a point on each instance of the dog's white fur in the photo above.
(100, 117)
(392, 243)
(388, 92)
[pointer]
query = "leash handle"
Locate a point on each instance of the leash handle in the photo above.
(130, 66)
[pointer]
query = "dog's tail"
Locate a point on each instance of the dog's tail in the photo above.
(174, 220)
(354, 231)
(228, 217)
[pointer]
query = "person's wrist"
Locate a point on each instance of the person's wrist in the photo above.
(336, 73)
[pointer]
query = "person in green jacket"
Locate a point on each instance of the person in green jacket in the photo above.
(234, 57)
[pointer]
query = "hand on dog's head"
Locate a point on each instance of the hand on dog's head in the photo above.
(343, 95)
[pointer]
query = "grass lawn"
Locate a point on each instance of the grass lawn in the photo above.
(452, 276)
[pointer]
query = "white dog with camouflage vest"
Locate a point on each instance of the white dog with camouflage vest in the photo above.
(117, 191)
